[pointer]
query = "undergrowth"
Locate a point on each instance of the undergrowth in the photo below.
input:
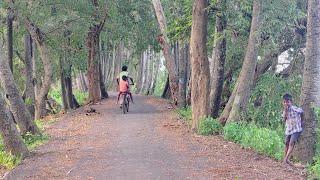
(262, 129)
(9, 161)
(55, 93)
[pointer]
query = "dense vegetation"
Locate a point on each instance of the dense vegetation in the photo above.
(226, 64)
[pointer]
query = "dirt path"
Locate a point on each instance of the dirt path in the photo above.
(147, 143)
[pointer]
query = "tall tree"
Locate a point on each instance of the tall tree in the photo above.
(17, 106)
(165, 44)
(13, 142)
(39, 38)
(219, 58)
(242, 92)
(93, 39)
(200, 72)
(183, 74)
(28, 93)
(310, 94)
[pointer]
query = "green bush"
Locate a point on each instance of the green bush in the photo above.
(81, 96)
(32, 141)
(55, 93)
(315, 168)
(265, 105)
(263, 140)
(8, 161)
(185, 113)
(234, 132)
(210, 126)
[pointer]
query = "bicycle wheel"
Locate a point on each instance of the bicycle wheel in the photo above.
(128, 103)
(124, 105)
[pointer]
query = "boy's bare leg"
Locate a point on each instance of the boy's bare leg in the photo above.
(289, 151)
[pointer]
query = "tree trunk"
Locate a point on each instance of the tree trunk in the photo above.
(219, 59)
(10, 38)
(104, 93)
(93, 39)
(38, 36)
(140, 74)
(29, 94)
(165, 45)
(155, 74)
(166, 90)
(144, 72)
(12, 141)
(310, 94)
(200, 72)
(183, 75)
(68, 87)
(17, 106)
(65, 104)
(93, 65)
(247, 72)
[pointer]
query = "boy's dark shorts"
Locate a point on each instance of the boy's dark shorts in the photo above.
(293, 138)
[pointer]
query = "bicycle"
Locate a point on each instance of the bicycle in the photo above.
(125, 102)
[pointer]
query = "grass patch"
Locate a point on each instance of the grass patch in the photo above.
(210, 126)
(186, 114)
(55, 93)
(262, 140)
(32, 141)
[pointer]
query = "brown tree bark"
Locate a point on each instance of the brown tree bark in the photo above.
(200, 72)
(10, 37)
(183, 75)
(17, 106)
(165, 45)
(12, 141)
(38, 37)
(155, 73)
(28, 93)
(93, 64)
(65, 104)
(219, 59)
(246, 77)
(93, 39)
(104, 93)
(166, 90)
(310, 94)
(144, 72)
(140, 74)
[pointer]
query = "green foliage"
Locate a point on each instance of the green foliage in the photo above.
(185, 113)
(265, 106)
(315, 168)
(32, 141)
(161, 81)
(55, 93)
(210, 126)
(81, 96)
(234, 132)
(8, 161)
(263, 140)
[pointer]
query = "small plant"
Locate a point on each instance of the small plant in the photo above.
(185, 113)
(8, 160)
(234, 132)
(81, 96)
(33, 141)
(263, 140)
(210, 126)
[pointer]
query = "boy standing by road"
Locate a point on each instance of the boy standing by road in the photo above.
(293, 123)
